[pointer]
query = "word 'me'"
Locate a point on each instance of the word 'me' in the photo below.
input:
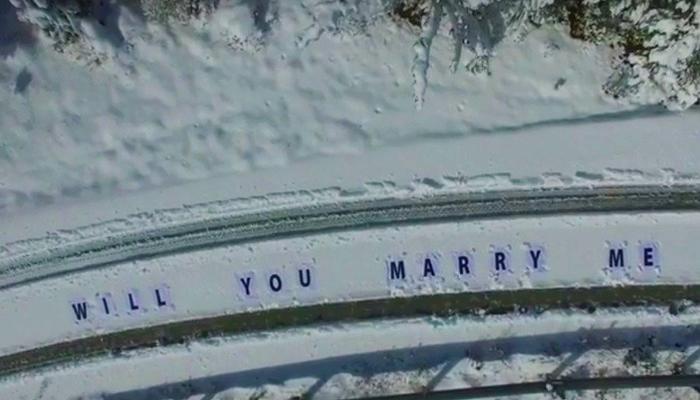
(620, 257)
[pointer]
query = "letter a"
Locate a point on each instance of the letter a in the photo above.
(428, 268)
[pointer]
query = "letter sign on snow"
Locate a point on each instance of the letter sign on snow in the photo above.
(306, 277)
(246, 285)
(535, 258)
(616, 256)
(304, 280)
(464, 265)
(133, 302)
(617, 260)
(649, 257)
(106, 304)
(275, 282)
(395, 271)
(161, 297)
(80, 309)
(500, 260)
(429, 266)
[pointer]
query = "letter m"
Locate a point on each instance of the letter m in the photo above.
(397, 270)
(616, 258)
(80, 310)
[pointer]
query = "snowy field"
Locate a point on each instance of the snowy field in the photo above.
(264, 105)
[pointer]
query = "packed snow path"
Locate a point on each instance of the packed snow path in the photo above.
(299, 219)
(619, 253)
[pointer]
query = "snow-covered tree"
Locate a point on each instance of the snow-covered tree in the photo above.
(658, 41)
(58, 19)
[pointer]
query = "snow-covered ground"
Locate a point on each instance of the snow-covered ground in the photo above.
(536, 252)
(168, 105)
(656, 150)
(237, 112)
(389, 357)
(297, 97)
(147, 125)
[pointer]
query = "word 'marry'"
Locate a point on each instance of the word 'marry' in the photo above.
(129, 302)
(431, 265)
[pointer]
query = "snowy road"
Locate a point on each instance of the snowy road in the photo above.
(536, 253)
(306, 219)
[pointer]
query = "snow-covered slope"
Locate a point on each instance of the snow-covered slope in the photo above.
(154, 106)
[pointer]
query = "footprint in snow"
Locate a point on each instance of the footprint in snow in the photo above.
(22, 81)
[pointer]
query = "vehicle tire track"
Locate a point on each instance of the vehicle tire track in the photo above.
(341, 215)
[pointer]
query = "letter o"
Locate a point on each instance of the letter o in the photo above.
(275, 283)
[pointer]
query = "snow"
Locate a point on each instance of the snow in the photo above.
(143, 126)
(350, 266)
(231, 108)
(164, 106)
(665, 148)
(382, 357)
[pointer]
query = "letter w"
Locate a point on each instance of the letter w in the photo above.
(80, 310)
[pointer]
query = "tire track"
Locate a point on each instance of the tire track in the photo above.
(342, 215)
